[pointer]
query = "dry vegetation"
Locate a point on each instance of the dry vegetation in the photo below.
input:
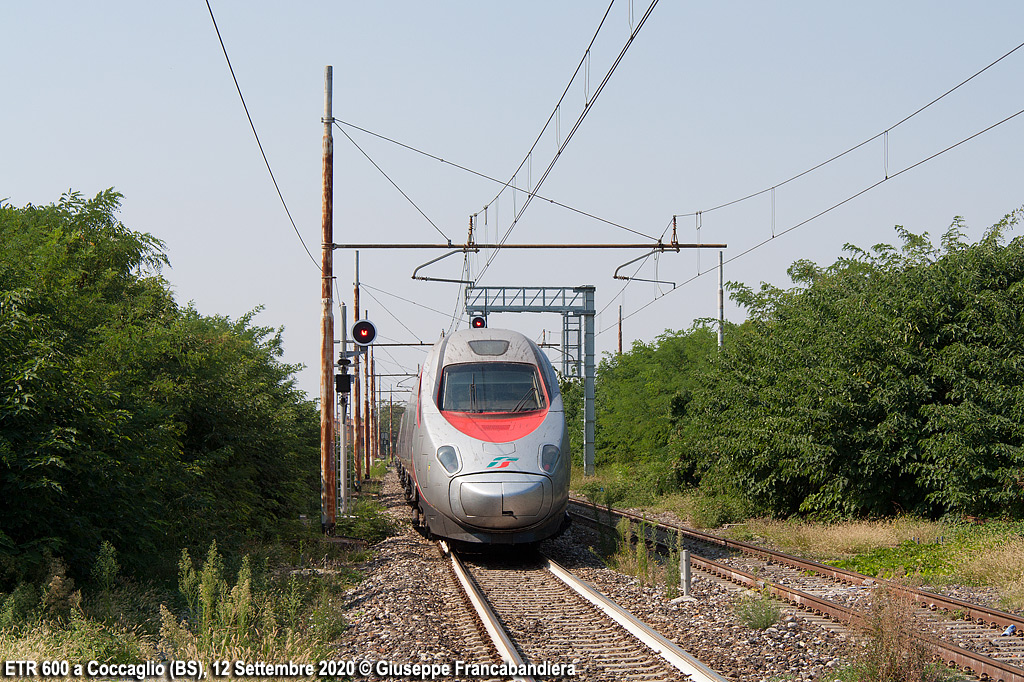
(846, 538)
(1002, 566)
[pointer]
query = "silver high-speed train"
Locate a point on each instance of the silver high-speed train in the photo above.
(483, 450)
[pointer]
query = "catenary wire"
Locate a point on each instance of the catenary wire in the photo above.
(590, 104)
(395, 317)
(555, 110)
(859, 145)
(256, 135)
(439, 159)
(884, 133)
(823, 212)
(407, 198)
(407, 300)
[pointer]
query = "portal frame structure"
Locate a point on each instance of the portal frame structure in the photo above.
(577, 307)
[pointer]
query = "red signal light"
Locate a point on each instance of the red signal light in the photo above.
(363, 333)
(478, 322)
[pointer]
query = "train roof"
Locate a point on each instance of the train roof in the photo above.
(482, 345)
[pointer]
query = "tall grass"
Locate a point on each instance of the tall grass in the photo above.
(1002, 565)
(249, 612)
(844, 538)
(633, 555)
(890, 652)
(256, 618)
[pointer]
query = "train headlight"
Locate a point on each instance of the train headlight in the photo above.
(549, 458)
(448, 456)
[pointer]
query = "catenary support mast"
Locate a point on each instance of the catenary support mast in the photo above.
(328, 483)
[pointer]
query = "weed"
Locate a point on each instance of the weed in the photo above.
(757, 611)
(892, 654)
(366, 521)
(60, 599)
(378, 468)
(643, 558)
(20, 607)
(104, 574)
(673, 575)
(105, 570)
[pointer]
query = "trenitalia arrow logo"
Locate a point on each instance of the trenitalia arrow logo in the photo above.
(501, 462)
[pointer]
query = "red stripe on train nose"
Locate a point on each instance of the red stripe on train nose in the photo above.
(496, 427)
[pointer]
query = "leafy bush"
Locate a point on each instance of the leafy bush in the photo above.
(366, 521)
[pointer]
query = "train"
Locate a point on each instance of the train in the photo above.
(482, 448)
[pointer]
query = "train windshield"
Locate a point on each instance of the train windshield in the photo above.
(491, 387)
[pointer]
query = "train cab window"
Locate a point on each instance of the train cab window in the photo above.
(491, 387)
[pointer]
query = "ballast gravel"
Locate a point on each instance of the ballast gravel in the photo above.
(409, 610)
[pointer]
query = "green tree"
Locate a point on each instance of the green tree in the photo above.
(123, 417)
(888, 381)
(643, 393)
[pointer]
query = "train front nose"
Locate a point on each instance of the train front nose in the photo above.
(507, 502)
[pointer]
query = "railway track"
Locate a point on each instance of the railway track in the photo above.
(964, 635)
(539, 614)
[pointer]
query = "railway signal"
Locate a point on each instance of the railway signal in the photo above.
(363, 333)
(478, 322)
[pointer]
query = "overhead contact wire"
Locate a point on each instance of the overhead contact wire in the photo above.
(854, 148)
(395, 185)
(590, 103)
(256, 135)
(490, 178)
(825, 211)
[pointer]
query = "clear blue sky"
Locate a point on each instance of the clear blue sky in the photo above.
(712, 102)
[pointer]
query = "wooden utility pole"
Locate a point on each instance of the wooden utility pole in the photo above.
(357, 424)
(328, 481)
(620, 330)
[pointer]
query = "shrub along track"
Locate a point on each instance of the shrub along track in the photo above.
(966, 635)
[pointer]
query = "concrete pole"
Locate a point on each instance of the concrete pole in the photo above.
(328, 482)
(343, 442)
(721, 302)
(366, 410)
(684, 571)
(357, 424)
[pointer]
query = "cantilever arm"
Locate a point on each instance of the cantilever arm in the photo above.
(641, 279)
(442, 279)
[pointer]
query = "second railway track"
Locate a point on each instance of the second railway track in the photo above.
(974, 639)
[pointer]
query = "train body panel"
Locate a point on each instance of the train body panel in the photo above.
(483, 449)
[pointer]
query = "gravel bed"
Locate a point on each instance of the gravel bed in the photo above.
(408, 610)
(981, 595)
(708, 627)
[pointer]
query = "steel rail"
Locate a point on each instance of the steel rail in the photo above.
(930, 600)
(679, 659)
(950, 653)
(502, 642)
